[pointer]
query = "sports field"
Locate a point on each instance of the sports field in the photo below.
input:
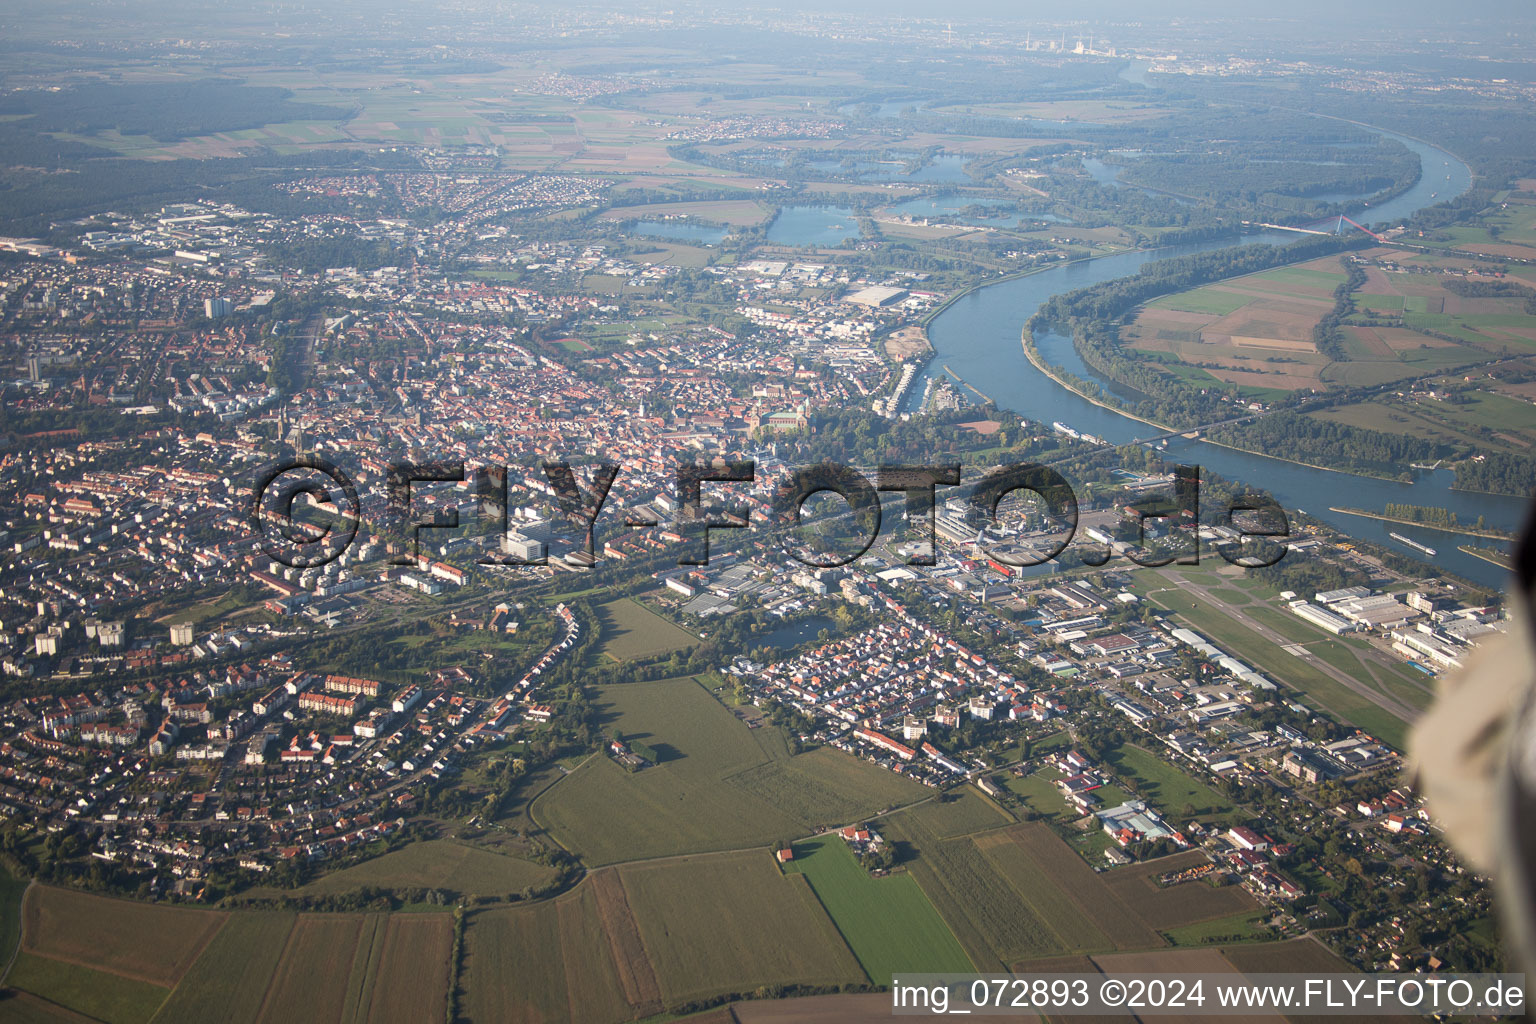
(888, 922)
(719, 785)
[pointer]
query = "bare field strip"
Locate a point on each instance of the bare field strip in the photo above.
(636, 977)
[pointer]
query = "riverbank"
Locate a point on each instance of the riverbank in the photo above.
(1038, 362)
(1497, 558)
(1465, 531)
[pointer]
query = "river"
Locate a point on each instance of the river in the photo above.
(978, 339)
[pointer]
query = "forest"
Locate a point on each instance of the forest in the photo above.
(165, 111)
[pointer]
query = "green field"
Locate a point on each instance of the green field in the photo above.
(630, 942)
(1204, 300)
(719, 786)
(438, 864)
(630, 630)
(555, 961)
(1237, 928)
(1038, 790)
(1166, 787)
(107, 997)
(172, 965)
(1477, 418)
(888, 922)
(963, 812)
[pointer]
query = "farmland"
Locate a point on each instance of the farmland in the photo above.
(546, 961)
(715, 924)
(735, 212)
(1295, 955)
(143, 941)
(994, 925)
(630, 630)
(108, 997)
(1179, 905)
(437, 864)
(888, 922)
(232, 975)
(720, 785)
(25, 1008)
(1020, 894)
(961, 813)
(1254, 331)
(1257, 333)
(246, 967)
(319, 953)
(1037, 862)
(632, 940)
(413, 972)
(12, 890)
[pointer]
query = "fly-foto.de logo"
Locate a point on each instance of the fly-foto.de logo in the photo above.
(1153, 530)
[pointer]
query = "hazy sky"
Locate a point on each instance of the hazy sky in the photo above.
(1437, 12)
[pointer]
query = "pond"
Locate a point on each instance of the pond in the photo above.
(792, 634)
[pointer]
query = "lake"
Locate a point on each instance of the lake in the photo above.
(681, 231)
(813, 225)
